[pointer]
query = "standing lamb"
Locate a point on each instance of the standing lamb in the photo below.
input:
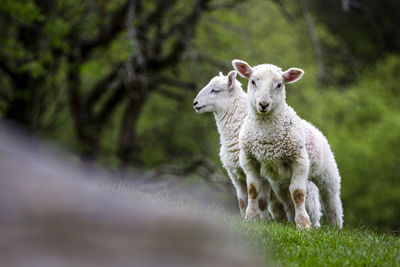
(276, 143)
(224, 96)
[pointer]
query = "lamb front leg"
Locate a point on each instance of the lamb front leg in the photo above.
(298, 190)
(258, 188)
(238, 179)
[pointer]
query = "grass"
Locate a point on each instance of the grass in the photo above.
(327, 246)
(286, 245)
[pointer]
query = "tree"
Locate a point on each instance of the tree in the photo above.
(72, 34)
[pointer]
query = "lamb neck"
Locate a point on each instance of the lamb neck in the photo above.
(230, 120)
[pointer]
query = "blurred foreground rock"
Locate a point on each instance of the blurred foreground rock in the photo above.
(52, 214)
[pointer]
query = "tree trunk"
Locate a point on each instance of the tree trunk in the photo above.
(21, 107)
(128, 147)
(86, 130)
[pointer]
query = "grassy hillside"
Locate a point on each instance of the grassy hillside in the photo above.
(326, 246)
(286, 245)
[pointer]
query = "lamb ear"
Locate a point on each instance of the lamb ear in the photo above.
(292, 75)
(231, 79)
(242, 67)
(220, 74)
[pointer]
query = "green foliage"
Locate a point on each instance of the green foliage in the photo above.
(22, 11)
(369, 29)
(327, 246)
(177, 134)
(57, 29)
(363, 127)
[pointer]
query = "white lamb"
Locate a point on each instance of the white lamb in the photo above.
(224, 96)
(276, 143)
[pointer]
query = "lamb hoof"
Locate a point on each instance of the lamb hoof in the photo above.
(251, 215)
(265, 216)
(302, 221)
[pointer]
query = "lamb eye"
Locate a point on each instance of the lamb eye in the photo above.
(279, 85)
(253, 82)
(214, 91)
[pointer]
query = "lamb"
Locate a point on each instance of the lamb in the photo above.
(224, 96)
(276, 143)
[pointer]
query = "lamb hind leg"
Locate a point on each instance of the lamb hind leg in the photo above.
(332, 205)
(329, 188)
(264, 198)
(276, 208)
(282, 194)
(313, 204)
(333, 208)
(238, 179)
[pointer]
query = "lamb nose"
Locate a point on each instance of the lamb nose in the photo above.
(263, 106)
(195, 103)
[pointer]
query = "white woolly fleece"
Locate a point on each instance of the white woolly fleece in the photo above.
(224, 96)
(289, 150)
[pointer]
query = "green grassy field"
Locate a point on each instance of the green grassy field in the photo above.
(285, 245)
(327, 246)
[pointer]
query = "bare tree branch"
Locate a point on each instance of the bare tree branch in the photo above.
(345, 5)
(101, 86)
(198, 56)
(164, 82)
(111, 103)
(138, 29)
(192, 17)
(7, 70)
(4, 96)
(352, 4)
(226, 5)
(176, 83)
(170, 94)
(184, 30)
(73, 88)
(284, 10)
(159, 12)
(314, 39)
(108, 33)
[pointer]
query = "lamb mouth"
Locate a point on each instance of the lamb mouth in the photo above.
(198, 108)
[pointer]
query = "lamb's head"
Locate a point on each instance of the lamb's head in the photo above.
(215, 95)
(266, 88)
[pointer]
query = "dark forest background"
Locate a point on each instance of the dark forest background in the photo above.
(114, 82)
